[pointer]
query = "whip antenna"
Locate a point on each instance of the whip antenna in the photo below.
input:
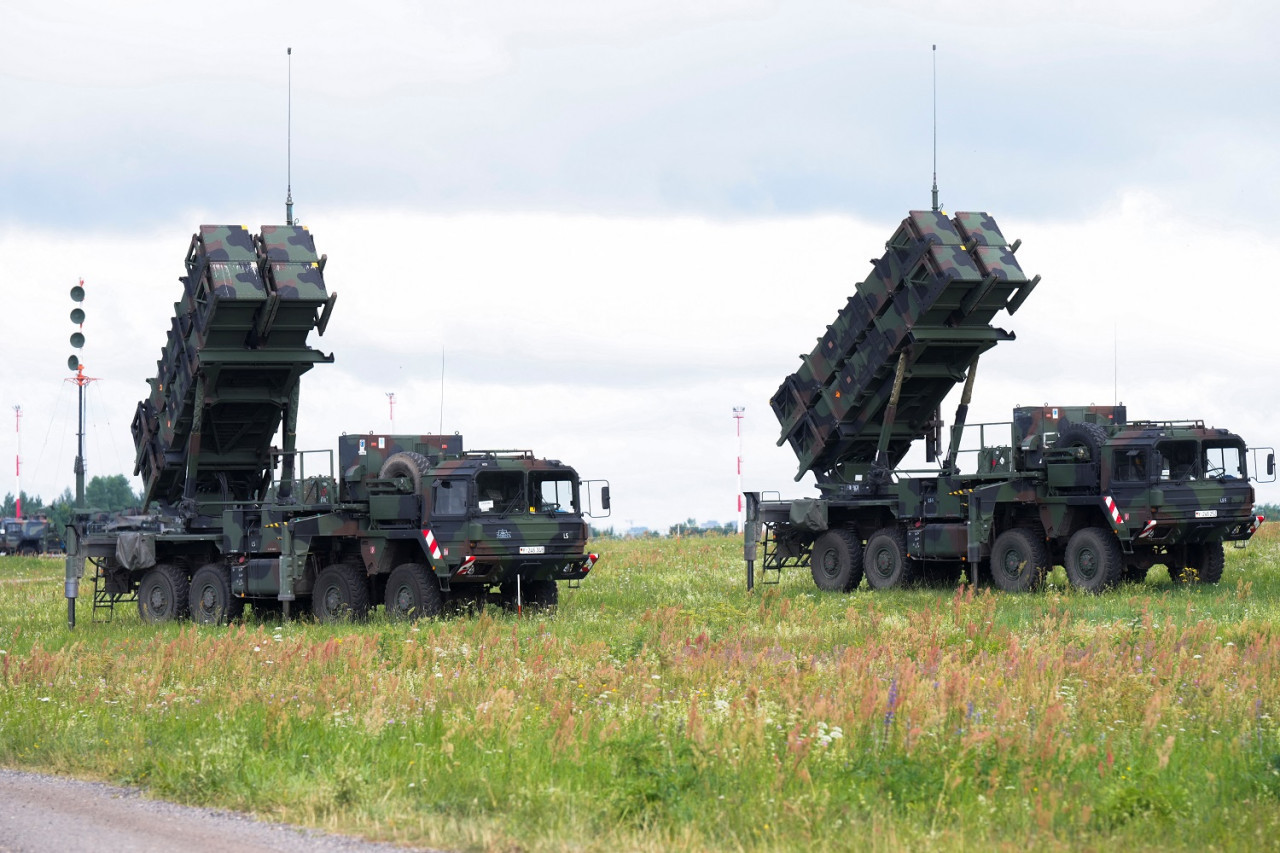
(288, 201)
(935, 127)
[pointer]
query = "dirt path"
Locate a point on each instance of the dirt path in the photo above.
(53, 813)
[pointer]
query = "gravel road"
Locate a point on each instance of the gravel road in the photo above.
(52, 813)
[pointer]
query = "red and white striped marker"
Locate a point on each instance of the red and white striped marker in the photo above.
(432, 547)
(1114, 510)
(1148, 529)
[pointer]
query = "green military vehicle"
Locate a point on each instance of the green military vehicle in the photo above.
(1079, 486)
(413, 521)
(26, 536)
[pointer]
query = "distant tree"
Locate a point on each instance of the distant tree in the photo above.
(30, 505)
(689, 527)
(110, 493)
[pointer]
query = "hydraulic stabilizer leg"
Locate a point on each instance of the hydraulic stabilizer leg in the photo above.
(881, 468)
(193, 447)
(290, 444)
(962, 412)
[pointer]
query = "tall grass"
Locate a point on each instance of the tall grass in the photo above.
(664, 707)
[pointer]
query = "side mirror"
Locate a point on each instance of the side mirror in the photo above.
(604, 492)
(1271, 464)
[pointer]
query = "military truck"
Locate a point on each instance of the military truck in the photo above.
(416, 522)
(27, 536)
(1083, 487)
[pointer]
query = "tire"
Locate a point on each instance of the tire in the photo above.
(162, 595)
(210, 600)
(1019, 560)
(1094, 561)
(836, 561)
(1205, 562)
(412, 593)
(341, 593)
(1090, 436)
(406, 464)
(885, 561)
(536, 594)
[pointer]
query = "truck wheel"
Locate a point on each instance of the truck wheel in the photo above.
(886, 563)
(1019, 560)
(210, 599)
(1090, 436)
(1205, 562)
(406, 464)
(412, 593)
(1094, 561)
(162, 595)
(836, 561)
(340, 593)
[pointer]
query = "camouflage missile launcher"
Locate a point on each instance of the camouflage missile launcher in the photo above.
(415, 522)
(1080, 487)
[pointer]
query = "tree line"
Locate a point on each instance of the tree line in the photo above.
(108, 494)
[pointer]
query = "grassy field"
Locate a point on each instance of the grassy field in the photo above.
(663, 707)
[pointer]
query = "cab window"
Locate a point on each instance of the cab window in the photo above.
(449, 497)
(1130, 466)
(1179, 460)
(556, 491)
(1224, 461)
(501, 492)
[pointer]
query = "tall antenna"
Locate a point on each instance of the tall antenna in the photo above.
(288, 201)
(935, 127)
(441, 389)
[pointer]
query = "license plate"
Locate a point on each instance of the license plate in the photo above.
(536, 549)
(1206, 513)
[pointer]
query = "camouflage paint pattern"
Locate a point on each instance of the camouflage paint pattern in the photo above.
(229, 370)
(1155, 486)
(933, 295)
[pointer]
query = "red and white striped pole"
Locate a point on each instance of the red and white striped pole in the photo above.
(17, 459)
(738, 414)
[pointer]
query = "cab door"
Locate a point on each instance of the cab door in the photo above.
(1127, 479)
(447, 519)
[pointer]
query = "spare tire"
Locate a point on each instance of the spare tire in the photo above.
(1089, 436)
(406, 463)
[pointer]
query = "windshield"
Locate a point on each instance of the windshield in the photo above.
(1179, 460)
(501, 492)
(556, 491)
(1224, 460)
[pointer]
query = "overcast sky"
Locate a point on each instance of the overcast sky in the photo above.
(616, 221)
